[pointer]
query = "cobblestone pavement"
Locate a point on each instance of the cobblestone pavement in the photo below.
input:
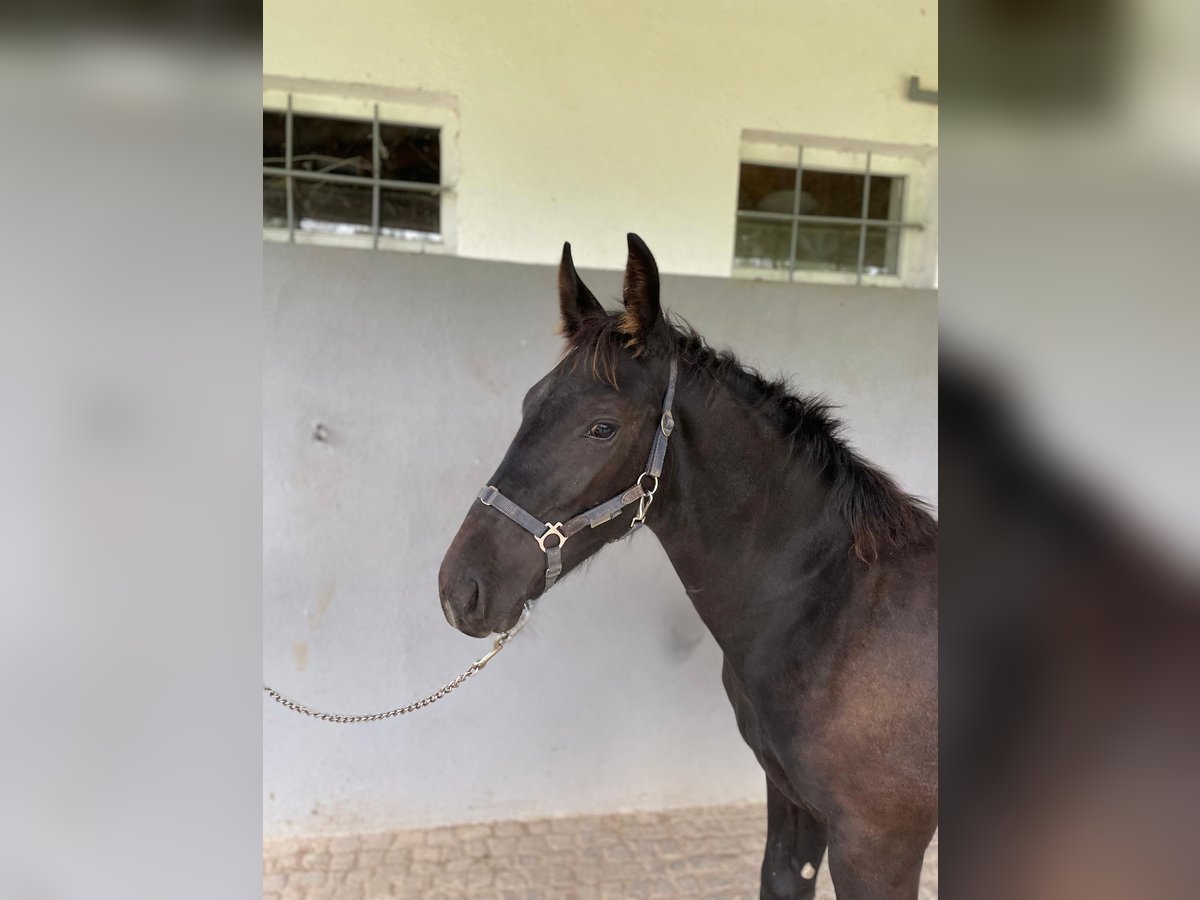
(705, 852)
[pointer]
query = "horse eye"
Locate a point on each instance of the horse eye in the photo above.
(602, 431)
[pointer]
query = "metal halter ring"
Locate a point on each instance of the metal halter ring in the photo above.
(551, 529)
(648, 493)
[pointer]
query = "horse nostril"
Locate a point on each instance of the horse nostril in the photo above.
(460, 599)
(471, 595)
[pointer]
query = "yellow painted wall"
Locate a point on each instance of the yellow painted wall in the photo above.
(583, 120)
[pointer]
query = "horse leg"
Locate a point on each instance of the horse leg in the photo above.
(795, 845)
(873, 866)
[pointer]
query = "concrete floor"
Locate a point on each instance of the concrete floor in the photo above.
(711, 852)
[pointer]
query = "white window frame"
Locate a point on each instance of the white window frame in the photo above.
(385, 106)
(916, 263)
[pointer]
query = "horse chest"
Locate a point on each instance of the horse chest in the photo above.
(772, 724)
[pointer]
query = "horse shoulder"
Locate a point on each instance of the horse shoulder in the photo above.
(879, 730)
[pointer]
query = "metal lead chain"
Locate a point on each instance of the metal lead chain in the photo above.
(501, 639)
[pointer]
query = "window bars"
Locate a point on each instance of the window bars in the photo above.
(405, 207)
(828, 235)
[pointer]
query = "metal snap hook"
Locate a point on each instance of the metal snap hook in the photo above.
(497, 646)
(505, 636)
(644, 506)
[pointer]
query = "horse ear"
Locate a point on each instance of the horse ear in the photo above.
(642, 308)
(574, 298)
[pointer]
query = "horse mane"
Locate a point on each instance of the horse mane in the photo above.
(879, 514)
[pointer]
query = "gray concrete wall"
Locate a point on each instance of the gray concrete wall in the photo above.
(611, 699)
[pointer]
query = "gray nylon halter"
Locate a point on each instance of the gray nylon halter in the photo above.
(606, 511)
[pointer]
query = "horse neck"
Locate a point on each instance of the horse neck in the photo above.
(744, 519)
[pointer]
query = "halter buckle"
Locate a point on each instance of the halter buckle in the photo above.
(551, 530)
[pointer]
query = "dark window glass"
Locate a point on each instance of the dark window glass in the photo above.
(274, 138)
(881, 251)
(766, 188)
(332, 208)
(827, 247)
(341, 146)
(407, 211)
(275, 201)
(885, 198)
(408, 153)
(831, 194)
(763, 244)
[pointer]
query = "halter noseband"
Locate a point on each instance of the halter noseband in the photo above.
(606, 511)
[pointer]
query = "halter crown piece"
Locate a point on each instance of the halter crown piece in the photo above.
(638, 493)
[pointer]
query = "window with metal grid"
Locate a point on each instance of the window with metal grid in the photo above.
(792, 220)
(332, 175)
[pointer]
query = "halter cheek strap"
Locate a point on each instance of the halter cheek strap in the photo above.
(551, 537)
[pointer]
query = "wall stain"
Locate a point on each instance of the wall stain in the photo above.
(300, 655)
(324, 598)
